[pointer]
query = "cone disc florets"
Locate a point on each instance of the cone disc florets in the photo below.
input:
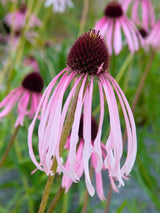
(33, 82)
(113, 10)
(23, 8)
(143, 32)
(89, 54)
(94, 128)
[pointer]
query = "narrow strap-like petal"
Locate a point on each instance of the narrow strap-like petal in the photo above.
(87, 136)
(117, 40)
(97, 141)
(115, 129)
(131, 130)
(99, 180)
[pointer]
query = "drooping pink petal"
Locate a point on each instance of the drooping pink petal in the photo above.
(99, 181)
(128, 36)
(131, 130)
(97, 141)
(100, 24)
(115, 129)
(117, 40)
(22, 108)
(10, 101)
(87, 135)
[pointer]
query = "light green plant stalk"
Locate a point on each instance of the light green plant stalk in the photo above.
(24, 179)
(9, 146)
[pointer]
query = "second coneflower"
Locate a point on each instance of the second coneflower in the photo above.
(87, 65)
(26, 96)
(111, 25)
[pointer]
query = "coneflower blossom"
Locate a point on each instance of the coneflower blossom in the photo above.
(87, 63)
(26, 96)
(147, 17)
(59, 5)
(153, 39)
(17, 19)
(110, 27)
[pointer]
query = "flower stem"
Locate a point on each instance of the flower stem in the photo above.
(142, 81)
(108, 199)
(56, 200)
(9, 146)
(123, 67)
(24, 179)
(84, 16)
(65, 132)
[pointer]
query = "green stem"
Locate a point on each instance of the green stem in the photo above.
(56, 200)
(124, 67)
(84, 16)
(24, 179)
(65, 132)
(65, 203)
(142, 81)
(9, 146)
(108, 199)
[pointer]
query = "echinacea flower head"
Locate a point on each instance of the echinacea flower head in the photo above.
(17, 19)
(111, 25)
(27, 97)
(153, 39)
(146, 16)
(59, 5)
(87, 65)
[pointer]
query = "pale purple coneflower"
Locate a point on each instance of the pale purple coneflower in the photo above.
(87, 63)
(153, 39)
(110, 27)
(27, 98)
(59, 5)
(17, 19)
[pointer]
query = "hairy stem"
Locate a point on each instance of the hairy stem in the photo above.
(108, 199)
(56, 200)
(9, 146)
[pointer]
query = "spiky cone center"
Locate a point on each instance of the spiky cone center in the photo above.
(22, 8)
(113, 10)
(33, 82)
(143, 32)
(89, 54)
(94, 128)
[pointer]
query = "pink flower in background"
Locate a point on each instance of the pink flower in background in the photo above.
(26, 96)
(145, 18)
(31, 61)
(125, 3)
(87, 63)
(59, 5)
(110, 27)
(17, 19)
(153, 39)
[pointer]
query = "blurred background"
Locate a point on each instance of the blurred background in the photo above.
(46, 45)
